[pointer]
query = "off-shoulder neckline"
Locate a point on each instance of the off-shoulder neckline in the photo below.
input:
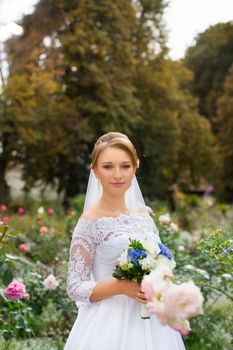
(115, 217)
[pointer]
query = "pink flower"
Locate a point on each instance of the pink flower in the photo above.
(181, 326)
(39, 222)
(44, 230)
(146, 287)
(183, 301)
(181, 248)
(3, 207)
(24, 247)
(161, 279)
(15, 290)
(5, 220)
(50, 211)
(21, 210)
(50, 282)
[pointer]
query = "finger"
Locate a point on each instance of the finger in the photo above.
(141, 301)
(141, 296)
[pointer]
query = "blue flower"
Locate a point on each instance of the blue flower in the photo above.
(165, 251)
(135, 255)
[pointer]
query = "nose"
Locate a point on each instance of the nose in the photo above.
(117, 174)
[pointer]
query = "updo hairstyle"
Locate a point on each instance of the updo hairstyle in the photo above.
(117, 140)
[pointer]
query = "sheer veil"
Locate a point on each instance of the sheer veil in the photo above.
(133, 196)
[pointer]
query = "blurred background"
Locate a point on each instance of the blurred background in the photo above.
(71, 71)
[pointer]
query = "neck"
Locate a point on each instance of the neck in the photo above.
(115, 204)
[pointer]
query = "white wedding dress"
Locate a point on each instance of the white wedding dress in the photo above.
(113, 323)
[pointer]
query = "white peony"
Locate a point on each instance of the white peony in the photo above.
(165, 219)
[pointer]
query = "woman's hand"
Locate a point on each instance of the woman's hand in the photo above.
(132, 290)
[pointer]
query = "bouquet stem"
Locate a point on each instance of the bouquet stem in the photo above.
(145, 314)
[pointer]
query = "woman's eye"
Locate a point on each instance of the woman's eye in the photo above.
(126, 166)
(107, 167)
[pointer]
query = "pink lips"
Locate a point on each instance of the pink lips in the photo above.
(117, 184)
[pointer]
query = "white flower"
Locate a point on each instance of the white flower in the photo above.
(174, 227)
(123, 258)
(50, 282)
(163, 261)
(148, 263)
(165, 219)
(40, 210)
(151, 247)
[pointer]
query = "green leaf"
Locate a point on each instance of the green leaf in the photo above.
(7, 277)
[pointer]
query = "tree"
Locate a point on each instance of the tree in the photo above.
(210, 59)
(225, 119)
(71, 79)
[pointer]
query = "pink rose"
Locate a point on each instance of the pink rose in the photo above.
(183, 301)
(50, 282)
(44, 230)
(146, 287)
(50, 211)
(15, 290)
(24, 247)
(3, 207)
(5, 220)
(21, 210)
(39, 222)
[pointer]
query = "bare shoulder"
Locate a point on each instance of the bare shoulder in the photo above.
(91, 214)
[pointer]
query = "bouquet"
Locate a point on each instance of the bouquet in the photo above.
(139, 259)
(173, 304)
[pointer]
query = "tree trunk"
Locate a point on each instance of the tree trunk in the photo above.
(4, 188)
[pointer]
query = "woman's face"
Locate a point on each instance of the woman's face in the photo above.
(115, 170)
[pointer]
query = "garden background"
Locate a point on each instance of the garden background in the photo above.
(82, 68)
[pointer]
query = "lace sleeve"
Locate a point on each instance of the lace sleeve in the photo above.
(82, 250)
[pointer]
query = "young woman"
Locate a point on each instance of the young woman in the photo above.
(109, 316)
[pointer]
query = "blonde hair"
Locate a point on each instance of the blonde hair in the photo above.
(117, 140)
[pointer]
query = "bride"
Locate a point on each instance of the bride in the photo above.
(109, 316)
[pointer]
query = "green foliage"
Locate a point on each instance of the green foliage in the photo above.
(208, 262)
(6, 246)
(105, 69)
(210, 59)
(211, 330)
(224, 117)
(44, 320)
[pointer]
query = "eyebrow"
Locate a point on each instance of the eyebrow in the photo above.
(127, 161)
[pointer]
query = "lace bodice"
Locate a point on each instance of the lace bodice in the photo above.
(96, 246)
